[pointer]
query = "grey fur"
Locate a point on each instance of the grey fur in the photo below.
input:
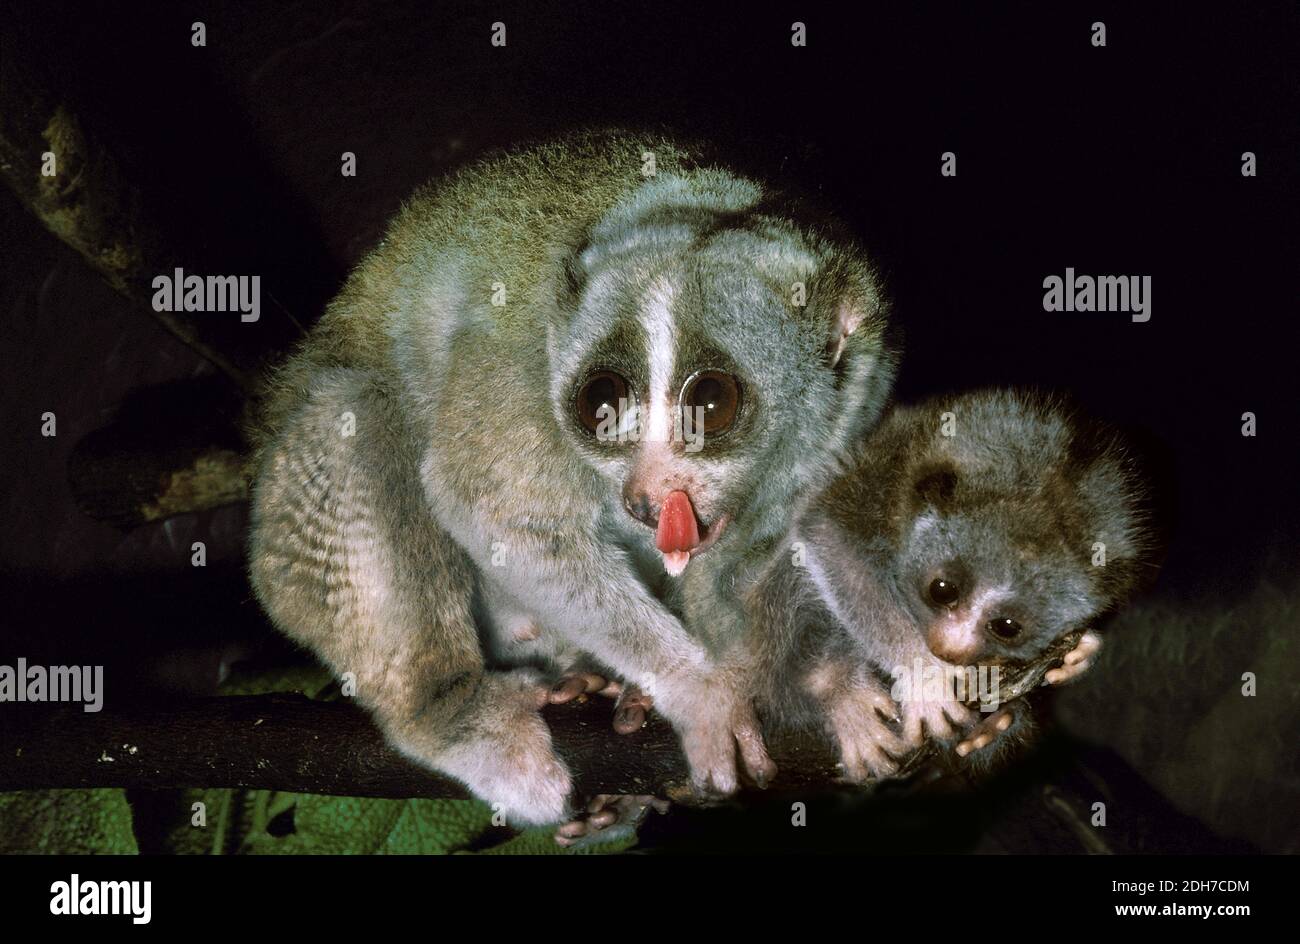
(471, 502)
(1010, 507)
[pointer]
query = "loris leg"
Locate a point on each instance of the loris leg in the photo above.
(705, 701)
(347, 559)
(733, 740)
(1077, 661)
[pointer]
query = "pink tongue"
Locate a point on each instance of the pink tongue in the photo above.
(678, 530)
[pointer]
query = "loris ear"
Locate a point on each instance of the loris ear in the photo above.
(936, 485)
(1115, 516)
(847, 319)
(847, 299)
(570, 276)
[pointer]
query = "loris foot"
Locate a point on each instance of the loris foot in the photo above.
(711, 753)
(943, 719)
(631, 710)
(607, 816)
(716, 722)
(865, 724)
(577, 683)
(1077, 661)
(504, 752)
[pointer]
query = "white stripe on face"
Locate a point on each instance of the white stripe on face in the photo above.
(661, 343)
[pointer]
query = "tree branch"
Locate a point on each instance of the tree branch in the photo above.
(291, 743)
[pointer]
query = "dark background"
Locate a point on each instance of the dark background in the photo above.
(1120, 160)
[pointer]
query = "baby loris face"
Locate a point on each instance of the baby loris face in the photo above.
(983, 591)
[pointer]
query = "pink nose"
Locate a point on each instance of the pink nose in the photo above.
(949, 643)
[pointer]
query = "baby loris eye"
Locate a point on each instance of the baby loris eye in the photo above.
(713, 395)
(602, 401)
(943, 592)
(1004, 628)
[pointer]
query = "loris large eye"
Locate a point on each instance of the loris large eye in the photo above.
(713, 395)
(1004, 629)
(943, 592)
(602, 399)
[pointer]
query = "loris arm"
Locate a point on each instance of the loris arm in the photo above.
(592, 596)
(806, 672)
(347, 560)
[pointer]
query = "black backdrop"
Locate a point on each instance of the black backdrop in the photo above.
(1117, 160)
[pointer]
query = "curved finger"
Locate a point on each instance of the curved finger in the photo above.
(569, 833)
(629, 719)
(637, 696)
(631, 710)
(1065, 673)
(567, 689)
(1089, 644)
(913, 730)
(576, 685)
(753, 754)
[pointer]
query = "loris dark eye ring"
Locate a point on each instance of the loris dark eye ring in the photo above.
(713, 395)
(601, 401)
(1005, 629)
(943, 592)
